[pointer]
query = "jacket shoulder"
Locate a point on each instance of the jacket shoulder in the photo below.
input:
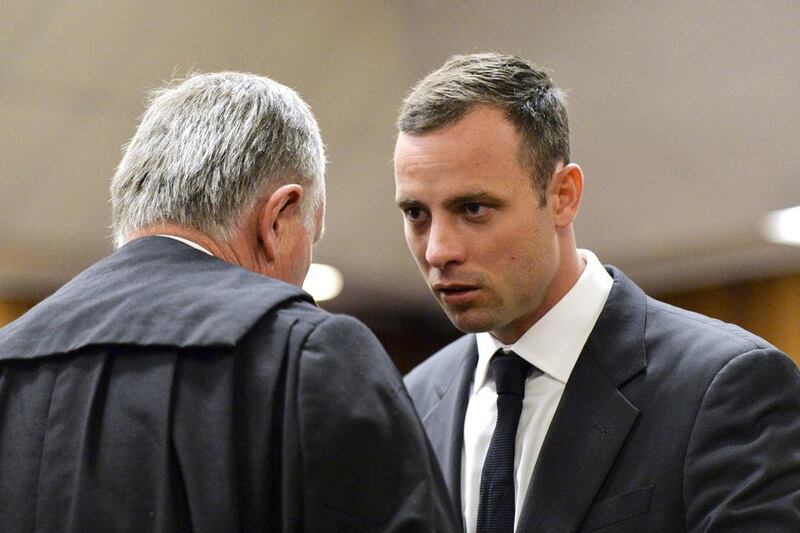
(152, 291)
(331, 346)
(692, 351)
(430, 379)
(694, 331)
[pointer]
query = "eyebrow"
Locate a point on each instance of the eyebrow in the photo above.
(472, 197)
(405, 203)
(455, 201)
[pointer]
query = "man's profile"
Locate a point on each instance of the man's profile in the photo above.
(575, 402)
(186, 382)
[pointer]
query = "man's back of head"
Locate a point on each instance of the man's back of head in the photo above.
(209, 147)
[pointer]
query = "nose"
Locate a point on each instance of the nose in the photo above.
(444, 246)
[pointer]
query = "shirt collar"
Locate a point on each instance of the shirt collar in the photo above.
(187, 242)
(555, 341)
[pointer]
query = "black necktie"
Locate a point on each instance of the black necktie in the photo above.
(496, 501)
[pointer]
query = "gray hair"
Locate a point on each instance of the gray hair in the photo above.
(209, 148)
(527, 95)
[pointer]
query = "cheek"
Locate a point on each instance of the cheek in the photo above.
(416, 245)
(304, 256)
(508, 256)
(419, 256)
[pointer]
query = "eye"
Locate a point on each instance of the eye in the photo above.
(474, 209)
(414, 214)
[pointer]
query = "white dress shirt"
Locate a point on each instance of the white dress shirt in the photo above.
(185, 241)
(552, 345)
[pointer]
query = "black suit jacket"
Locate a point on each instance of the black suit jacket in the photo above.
(670, 421)
(163, 390)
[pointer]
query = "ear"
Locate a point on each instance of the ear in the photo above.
(276, 214)
(566, 190)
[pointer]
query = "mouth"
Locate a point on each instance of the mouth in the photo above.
(454, 293)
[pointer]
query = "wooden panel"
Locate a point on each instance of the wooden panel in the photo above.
(11, 309)
(768, 308)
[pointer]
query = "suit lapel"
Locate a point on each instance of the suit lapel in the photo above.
(445, 421)
(590, 425)
(593, 417)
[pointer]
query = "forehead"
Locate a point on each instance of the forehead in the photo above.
(481, 149)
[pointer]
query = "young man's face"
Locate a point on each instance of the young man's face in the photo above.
(474, 224)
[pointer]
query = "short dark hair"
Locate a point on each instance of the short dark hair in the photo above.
(527, 95)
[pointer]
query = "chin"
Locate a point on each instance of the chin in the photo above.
(470, 324)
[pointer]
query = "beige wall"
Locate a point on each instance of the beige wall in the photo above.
(769, 308)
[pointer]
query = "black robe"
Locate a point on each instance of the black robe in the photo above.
(163, 390)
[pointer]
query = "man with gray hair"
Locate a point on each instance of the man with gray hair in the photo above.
(575, 402)
(186, 382)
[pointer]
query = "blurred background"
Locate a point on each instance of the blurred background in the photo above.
(685, 119)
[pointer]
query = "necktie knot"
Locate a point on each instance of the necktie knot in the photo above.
(510, 372)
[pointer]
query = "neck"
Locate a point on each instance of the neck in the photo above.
(236, 251)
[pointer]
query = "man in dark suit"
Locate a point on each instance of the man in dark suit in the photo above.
(576, 402)
(186, 382)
